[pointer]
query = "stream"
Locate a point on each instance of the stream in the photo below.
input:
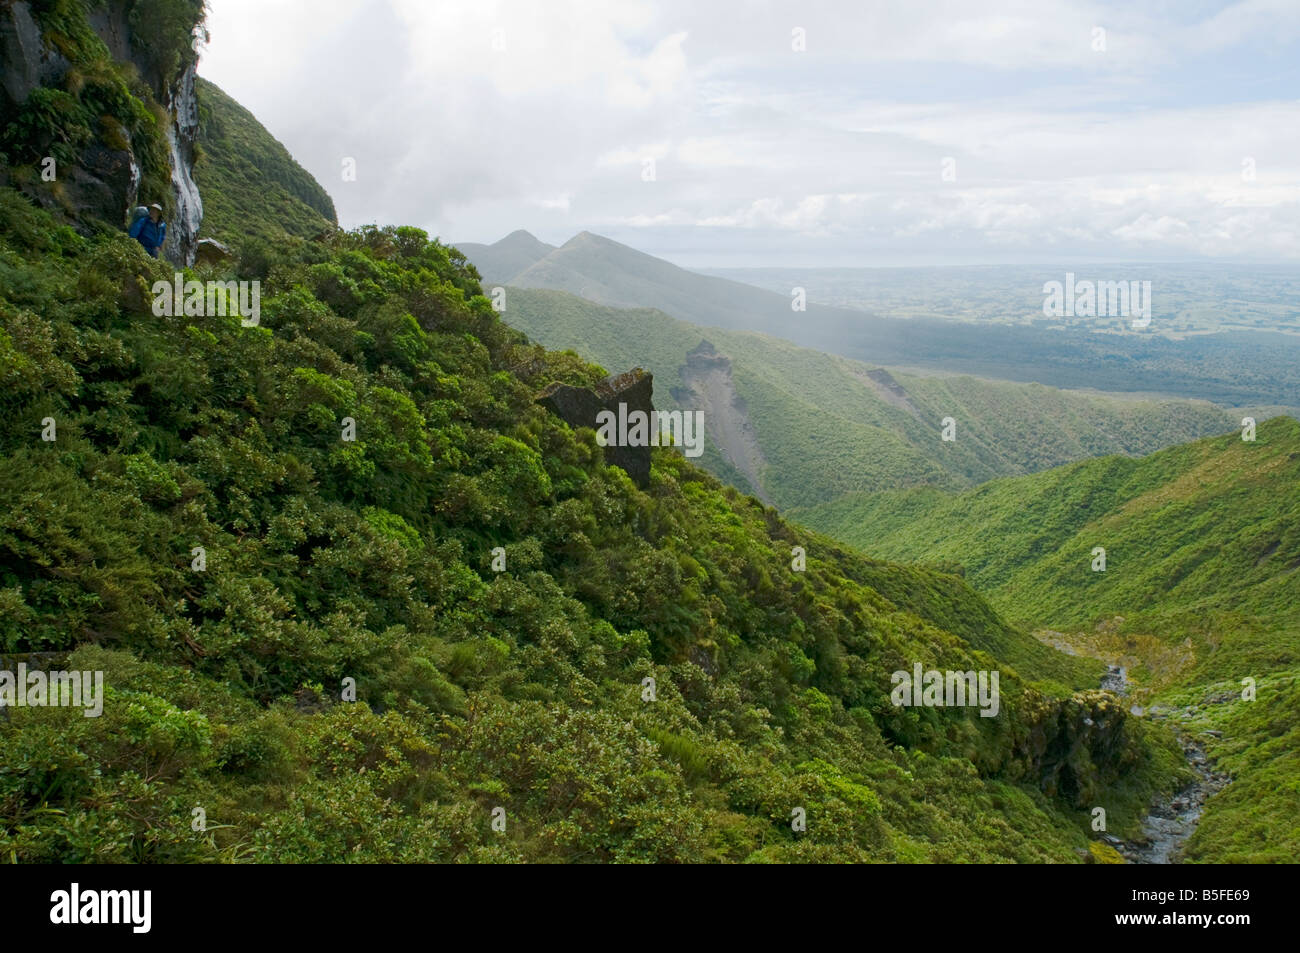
(1172, 818)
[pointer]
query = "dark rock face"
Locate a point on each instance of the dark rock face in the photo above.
(25, 60)
(97, 187)
(579, 406)
(110, 24)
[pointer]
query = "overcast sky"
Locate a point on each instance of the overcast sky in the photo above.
(1172, 135)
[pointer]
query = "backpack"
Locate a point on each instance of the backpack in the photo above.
(138, 213)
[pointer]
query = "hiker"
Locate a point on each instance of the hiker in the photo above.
(150, 230)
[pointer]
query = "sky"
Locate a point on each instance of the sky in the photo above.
(748, 133)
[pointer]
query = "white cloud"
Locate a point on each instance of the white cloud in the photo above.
(545, 124)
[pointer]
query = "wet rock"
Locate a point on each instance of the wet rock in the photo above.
(1115, 680)
(182, 134)
(1172, 820)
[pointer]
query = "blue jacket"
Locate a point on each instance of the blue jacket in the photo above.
(149, 234)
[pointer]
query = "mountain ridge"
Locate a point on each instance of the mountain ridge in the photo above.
(251, 186)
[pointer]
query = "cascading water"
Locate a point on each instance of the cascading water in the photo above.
(182, 132)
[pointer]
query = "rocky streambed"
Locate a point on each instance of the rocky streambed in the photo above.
(1172, 818)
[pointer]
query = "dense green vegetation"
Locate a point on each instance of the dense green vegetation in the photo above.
(370, 560)
(1200, 589)
(252, 188)
(826, 428)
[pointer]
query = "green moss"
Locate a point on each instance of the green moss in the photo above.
(1105, 854)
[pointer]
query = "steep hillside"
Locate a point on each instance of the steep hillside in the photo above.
(251, 186)
(799, 427)
(648, 676)
(1200, 590)
(1212, 525)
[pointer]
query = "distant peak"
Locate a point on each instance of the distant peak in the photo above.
(519, 235)
(591, 238)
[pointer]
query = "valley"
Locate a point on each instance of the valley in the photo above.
(380, 568)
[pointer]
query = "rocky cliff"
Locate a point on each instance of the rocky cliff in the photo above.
(98, 111)
(1075, 748)
(579, 407)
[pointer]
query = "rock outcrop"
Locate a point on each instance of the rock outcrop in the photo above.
(25, 61)
(579, 407)
(1077, 746)
(209, 251)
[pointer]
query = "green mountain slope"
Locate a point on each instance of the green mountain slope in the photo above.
(331, 566)
(800, 427)
(1201, 589)
(610, 273)
(251, 185)
(1211, 526)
